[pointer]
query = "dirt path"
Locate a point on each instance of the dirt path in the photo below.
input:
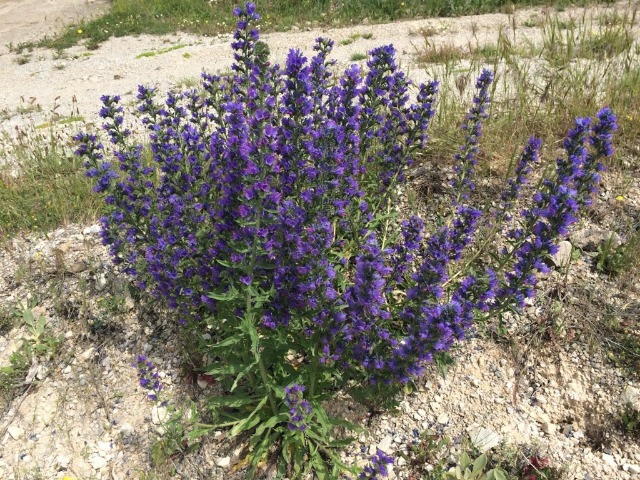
(28, 20)
(47, 86)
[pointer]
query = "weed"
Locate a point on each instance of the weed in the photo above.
(61, 121)
(45, 185)
(428, 450)
(162, 51)
(132, 17)
(357, 57)
(23, 59)
(443, 54)
(37, 348)
(7, 320)
(630, 420)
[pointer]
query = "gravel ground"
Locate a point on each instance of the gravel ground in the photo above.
(552, 388)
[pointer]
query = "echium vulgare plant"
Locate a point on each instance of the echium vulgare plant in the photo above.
(268, 219)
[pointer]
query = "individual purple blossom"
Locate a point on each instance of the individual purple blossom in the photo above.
(378, 467)
(299, 408)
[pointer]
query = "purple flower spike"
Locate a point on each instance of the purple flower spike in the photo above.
(148, 377)
(299, 408)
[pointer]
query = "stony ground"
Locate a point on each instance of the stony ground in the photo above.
(554, 386)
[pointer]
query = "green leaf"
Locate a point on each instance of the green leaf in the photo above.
(480, 463)
(232, 369)
(235, 401)
(251, 421)
(497, 474)
(232, 294)
(227, 342)
(272, 422)
(224, 263)
(465, 461)
(319, 466)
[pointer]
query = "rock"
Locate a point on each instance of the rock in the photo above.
(223, 462)
(105, 446)
(385, 444)
(159, 414)
(42, 372)
(630, 396)
(548, 428)
(609, 460)
(97, 461)
(15, 432)
(484, 439)
(76, 267)
(575, 394)
(633, 469)
(443, 419)
(589, 239)
(563, 256)
(31, 374)
(88, 353)
(101, 282)
(92, 230)
(62, 461)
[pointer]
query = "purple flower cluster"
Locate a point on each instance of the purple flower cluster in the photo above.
(299, 408)
(467, 158)
(148, 376)
(556, 204)
(378, 467)
(265, 201)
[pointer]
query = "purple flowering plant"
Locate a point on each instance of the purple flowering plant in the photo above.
(268, 218)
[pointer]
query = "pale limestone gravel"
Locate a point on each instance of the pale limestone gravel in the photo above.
(87, 417)
(73, 83)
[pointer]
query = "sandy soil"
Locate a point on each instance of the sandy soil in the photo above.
(48, 85)
(85, 417)
(28, 20)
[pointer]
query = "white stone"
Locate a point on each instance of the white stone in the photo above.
(93, 229)
(15, 432)
(633, 469)
(63, 461)
(126, 430)
(609, 460)
(484, 439)
(97, 461)
(223, 462)
(159, 414)
(443, 419)
(88, 353)
(630, 395)
(385, 443)
(548, 428)
(101, 282)
(105, 446)
(563, 256)
(42, 372)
